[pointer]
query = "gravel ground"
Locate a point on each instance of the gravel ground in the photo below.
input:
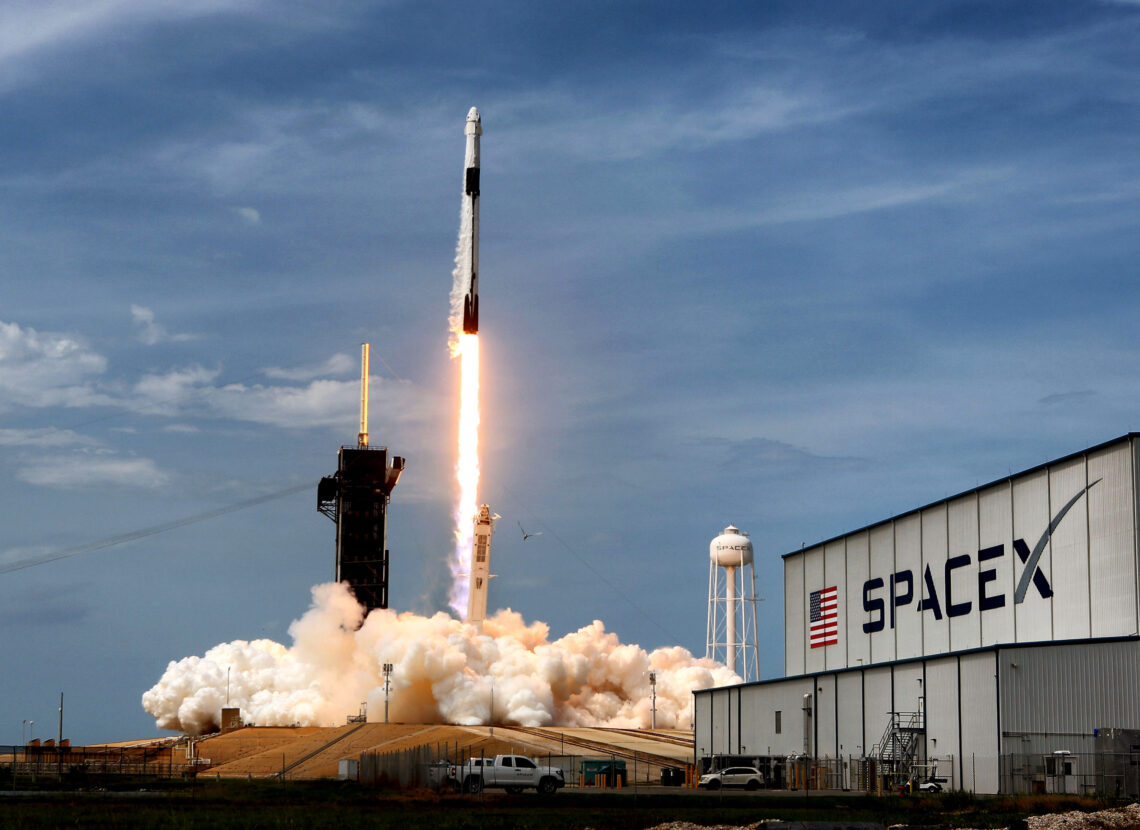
(1121, 818)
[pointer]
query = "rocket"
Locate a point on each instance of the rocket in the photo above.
(472, 130)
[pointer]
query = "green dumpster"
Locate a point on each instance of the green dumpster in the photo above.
(609, 770)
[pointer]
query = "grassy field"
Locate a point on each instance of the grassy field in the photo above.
(319, 805)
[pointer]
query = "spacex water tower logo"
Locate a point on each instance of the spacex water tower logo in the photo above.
(939, 599)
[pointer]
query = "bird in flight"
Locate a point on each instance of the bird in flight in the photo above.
(527, 535)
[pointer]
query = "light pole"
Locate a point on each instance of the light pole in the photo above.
(24, 732)
(31, 731)
(653, 698)
(387, 687)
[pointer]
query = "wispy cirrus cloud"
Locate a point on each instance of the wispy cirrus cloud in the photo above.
(320, 403)
(81, 470)
(31, 26)
(338, 364)
(44, 437)
(150, 332)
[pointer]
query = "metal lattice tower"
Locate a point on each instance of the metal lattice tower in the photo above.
(732, 633)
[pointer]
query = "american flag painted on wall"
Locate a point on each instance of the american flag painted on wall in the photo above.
(824, 617)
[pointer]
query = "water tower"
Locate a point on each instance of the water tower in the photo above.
(732, 633)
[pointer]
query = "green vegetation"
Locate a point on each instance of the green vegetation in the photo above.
(346, 806)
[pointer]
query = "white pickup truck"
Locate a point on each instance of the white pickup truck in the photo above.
(513, 773)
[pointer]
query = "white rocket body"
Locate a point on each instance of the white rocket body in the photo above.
(473, 130)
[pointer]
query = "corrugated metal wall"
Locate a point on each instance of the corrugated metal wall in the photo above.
(856, 649)
(1112, 551)
(977, 713)
(962, 534)
(935, 631)
(852, 740)
(1068, 563)
(1054, 697)
(1028, 700)
(908, 557)
(877, 703)
(945, 579)
(834, 573)
(795, 622)
(942, 735)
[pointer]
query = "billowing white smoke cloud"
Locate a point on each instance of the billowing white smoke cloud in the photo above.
(443, 673)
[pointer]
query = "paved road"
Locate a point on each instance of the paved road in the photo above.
(727, 792)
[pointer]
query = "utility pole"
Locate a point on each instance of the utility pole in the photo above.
(653, 693)
(59, 741)
(387, 687)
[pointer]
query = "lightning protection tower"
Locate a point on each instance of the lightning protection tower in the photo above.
(356, 498)
(733, 637)
(481, 566)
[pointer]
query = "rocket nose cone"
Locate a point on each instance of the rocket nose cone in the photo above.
(474, 124)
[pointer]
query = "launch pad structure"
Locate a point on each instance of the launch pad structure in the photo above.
(356, 498)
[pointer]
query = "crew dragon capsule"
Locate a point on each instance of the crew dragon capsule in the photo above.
(473, 130)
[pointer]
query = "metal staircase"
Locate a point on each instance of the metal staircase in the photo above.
(897, 751)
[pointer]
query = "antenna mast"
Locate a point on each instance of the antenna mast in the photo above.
(362, 438)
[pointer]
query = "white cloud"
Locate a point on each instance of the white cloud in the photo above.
(46, 369)
(151, 332)
(164, 392)
(181, 428)
(249, 214)
(338, 364)
(85, 471)
(45, 437)
(23, 552)
(29, 26)
(321, 403)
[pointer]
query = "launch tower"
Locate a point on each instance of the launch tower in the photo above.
(356, 498)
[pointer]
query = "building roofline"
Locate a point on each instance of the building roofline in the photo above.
(1092, 641)
(1126, 437)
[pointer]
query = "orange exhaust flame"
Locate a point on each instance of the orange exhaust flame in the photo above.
(466, 470)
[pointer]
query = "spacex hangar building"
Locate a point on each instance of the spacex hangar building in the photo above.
(988, 640)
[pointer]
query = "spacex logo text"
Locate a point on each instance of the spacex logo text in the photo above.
(902, 588)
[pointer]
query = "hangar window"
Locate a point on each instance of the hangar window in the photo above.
(779, 719)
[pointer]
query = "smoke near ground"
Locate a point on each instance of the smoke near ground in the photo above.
(443, 672)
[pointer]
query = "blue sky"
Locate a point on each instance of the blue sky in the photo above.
(793, 266)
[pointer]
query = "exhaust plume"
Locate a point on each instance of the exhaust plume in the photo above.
(443, 673)
(465, 346)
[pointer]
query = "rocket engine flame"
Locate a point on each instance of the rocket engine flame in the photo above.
(443, 671)
(466, 472)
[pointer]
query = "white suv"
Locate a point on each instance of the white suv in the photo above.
(747, 777)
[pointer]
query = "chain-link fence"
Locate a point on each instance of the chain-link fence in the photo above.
(1115, 774)
(28, 764)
